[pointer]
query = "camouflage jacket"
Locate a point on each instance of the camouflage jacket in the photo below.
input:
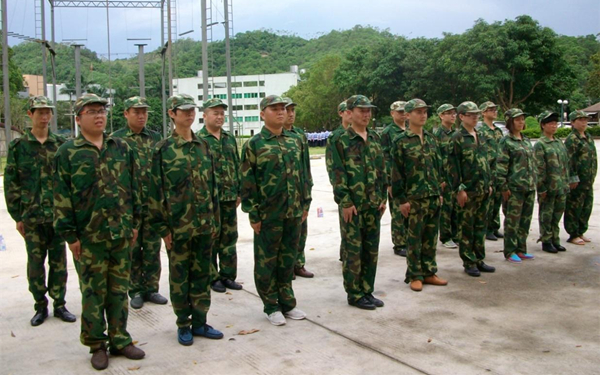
(273, 183)
(227, 163)
(443, 137)
(305, 156)
(516, 167)
(143, 146)
(183, 189)
(387, 140)
(468, 163)
(492, 137)
(358, 170)
(28, 178)
(96, 192)
(417, 168)
(583, 164)
(328, 152)
(552, 166)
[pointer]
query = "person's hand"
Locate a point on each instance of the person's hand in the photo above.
(573, 185)
(491, 190)
(75, 248)
(443, 185)
(168, 239)
(441, 200)
(405, 209)
(462, 198)
(506, 195)
(304, 215)
(256, 227)
(238, 201)
(135, 236)
(348, 212)
(21, 228)
(389, 190)
(381, 208)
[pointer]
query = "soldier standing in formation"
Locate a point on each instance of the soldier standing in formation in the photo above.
(471, 180)
(517, 182)
(226, 159)
(416, 181)
(184, 209)
(145, 253)
(28, 190)
(276, 197)
(552, 181)
(360, 188)
(583, 167)
(97, 210)
(387, 138)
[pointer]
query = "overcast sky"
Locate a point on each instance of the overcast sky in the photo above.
(305, 18)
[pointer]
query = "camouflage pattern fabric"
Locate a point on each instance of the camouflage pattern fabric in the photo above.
(471, 219)
(492, 138)
(423, 221)
(87, 99)
(39, 101)
(519, 210)
(224, 245)
(329, 165)
(135, 102)
(550, 210)
(448, 217)
(578, 209)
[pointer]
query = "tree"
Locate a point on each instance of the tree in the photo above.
(592, 87)
(15, 77)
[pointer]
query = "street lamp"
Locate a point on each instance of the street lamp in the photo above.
(562, 110)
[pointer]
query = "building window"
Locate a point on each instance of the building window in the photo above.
(221, 96)
(251, 119)
(261, 83)
(262, 94)
(236, 96)
(237, 107)
(236, 84)
(250, 107)
(201, 86)
(220, 85)
(200, 97)
(236, 133)
(250, 84)
(251, 131)
(201, 120)
(249, 95)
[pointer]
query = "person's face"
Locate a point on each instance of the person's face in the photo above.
(92, 119)
(214, 117)
(580, 124)
(360, 116)
(346, 116)
(274, 115)
(418, 117)
(183, 117)
(136, 117)
(490, 113)
(550, 127)
(470, 119)
(40, 117)
(448, 117)
(291, 115)
(399, 117)
(519, 124)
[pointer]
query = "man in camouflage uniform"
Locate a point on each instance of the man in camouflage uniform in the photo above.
(470, 177)
(97, 210)
(28, 193)
(184, 211)
(346, 117)
(448, 221)
(145, 254)
(387, 137)
(226, 158)
(360, 188)
(275, 194)
(299, 268)
(552, 181)
(492, 135)
(416, 182)
(583, 167)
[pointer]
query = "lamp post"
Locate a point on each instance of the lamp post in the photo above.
(562, 110)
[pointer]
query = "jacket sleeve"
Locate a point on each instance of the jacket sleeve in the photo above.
(502, 165)
(539, 156)
(249, 191)
(398, 173)
(341, 191)
(64, 215)
(455, 173)
(136, 190)
(573, 153)
(156, 207)
(12, 184)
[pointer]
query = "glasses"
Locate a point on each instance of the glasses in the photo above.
(475, 115)
(93, 113)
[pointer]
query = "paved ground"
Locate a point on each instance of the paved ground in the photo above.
(540, 317)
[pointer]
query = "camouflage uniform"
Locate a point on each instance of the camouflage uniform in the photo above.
(274, 192)
(145, 253)
(416, 179)
(28, 179)
(583, 166)
(227, 172)
(96, 202)
(359, 179)
(516, 172)
(184, 203)
(331, 140)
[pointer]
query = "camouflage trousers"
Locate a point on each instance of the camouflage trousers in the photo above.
(493, 215)
(41, 241)
(103, 270)
(275, 251)
(423, 221)
(342, 231)
(398, 225)
(578, 211)
(551, 210)
(361, 238)
(189, 279)
(519, 209)
(224, 247)
(145, 261)
(301, 257)
(472, 223)
(449, 229)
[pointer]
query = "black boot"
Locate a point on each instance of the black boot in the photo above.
(559, 247)
(547, 247)
(39, 317)
(63, 314)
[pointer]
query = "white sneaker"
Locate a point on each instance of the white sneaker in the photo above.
(450, 244)
(296, 314)
(276, 318)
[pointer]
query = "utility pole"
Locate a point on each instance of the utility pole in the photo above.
(44, 52)
(228, 63)
(204, 53)
(54, 118)
(170, 48)
(77, 80)
(141, 69)
(5, 77)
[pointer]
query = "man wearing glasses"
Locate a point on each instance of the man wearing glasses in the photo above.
(97, 211)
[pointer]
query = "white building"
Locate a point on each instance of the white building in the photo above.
(246, 91)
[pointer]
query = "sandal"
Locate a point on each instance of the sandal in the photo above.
(585, 239)
(576, 241)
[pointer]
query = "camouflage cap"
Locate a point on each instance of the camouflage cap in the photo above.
(513, 113)
(467, 107)
(487, 105)
(358, 101)
(87, 99)
(398, 106)
(39, 102)
(214, 102)
(414, 104)
(181, 101)
(342, 106)
(271, 100)
(578, 114)
(136, 102)
(445, 107)
(546, 116)
(289, 101)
